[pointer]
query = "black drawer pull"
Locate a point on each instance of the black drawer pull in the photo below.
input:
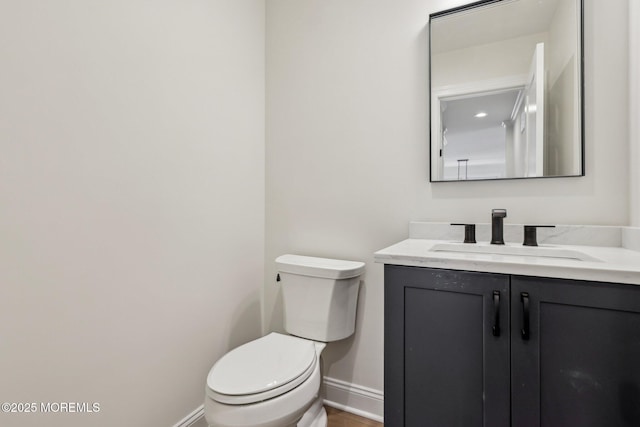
(524, 297)
(496, 313)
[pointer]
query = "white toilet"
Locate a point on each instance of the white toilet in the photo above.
(274, 381)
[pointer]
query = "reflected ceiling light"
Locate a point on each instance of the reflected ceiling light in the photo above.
(481, 114)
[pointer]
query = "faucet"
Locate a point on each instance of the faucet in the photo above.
(497, 216)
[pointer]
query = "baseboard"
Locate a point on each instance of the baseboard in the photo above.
(194, 419)
(359, 400)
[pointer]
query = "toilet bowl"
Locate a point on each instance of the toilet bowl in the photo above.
(274, 381)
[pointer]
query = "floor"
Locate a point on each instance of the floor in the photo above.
(338, 418)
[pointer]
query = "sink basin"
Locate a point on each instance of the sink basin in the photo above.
(514, 250)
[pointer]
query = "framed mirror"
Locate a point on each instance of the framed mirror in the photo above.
(506, 90)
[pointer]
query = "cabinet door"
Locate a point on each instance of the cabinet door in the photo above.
(443, 365)
(580, 365)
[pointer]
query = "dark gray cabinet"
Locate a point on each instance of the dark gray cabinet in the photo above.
(471, 349)
(581, 363)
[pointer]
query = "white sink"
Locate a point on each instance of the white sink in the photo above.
(514, 250)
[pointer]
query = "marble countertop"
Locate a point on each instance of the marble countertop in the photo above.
(610, 263)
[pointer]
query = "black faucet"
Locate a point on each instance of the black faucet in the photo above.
(497, 216)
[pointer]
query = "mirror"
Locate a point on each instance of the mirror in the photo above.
(506, 90)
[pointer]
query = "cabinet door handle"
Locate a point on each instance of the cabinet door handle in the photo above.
(496, 313)
(524, 297)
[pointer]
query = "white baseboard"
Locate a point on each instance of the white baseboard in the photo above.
(359, 400)
(194, 419)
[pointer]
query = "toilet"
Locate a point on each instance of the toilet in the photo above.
(274, 381)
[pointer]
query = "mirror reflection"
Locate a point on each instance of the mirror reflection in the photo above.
(506, 98)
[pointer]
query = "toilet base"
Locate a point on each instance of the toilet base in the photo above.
(316, 416)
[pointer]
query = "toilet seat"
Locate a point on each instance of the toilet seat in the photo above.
(261, 369)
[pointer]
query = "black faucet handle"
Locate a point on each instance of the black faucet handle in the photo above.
(469, 232)
(530, 235)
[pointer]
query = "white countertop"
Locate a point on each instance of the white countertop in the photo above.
(615, 264)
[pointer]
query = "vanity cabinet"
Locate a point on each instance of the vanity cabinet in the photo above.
(482, 349)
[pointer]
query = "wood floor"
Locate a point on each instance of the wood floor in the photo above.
(338, 418)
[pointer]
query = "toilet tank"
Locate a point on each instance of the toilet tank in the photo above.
(320, 296)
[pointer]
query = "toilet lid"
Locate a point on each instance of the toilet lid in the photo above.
(263, 365)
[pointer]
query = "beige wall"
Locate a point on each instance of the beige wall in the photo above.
(347, 147)
(131, 202)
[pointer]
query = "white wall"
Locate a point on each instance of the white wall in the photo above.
(634, 110)
(131, 202)
(132, 172)
(562, 153)
(347, 147)
(562, 39)
(497, 60)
